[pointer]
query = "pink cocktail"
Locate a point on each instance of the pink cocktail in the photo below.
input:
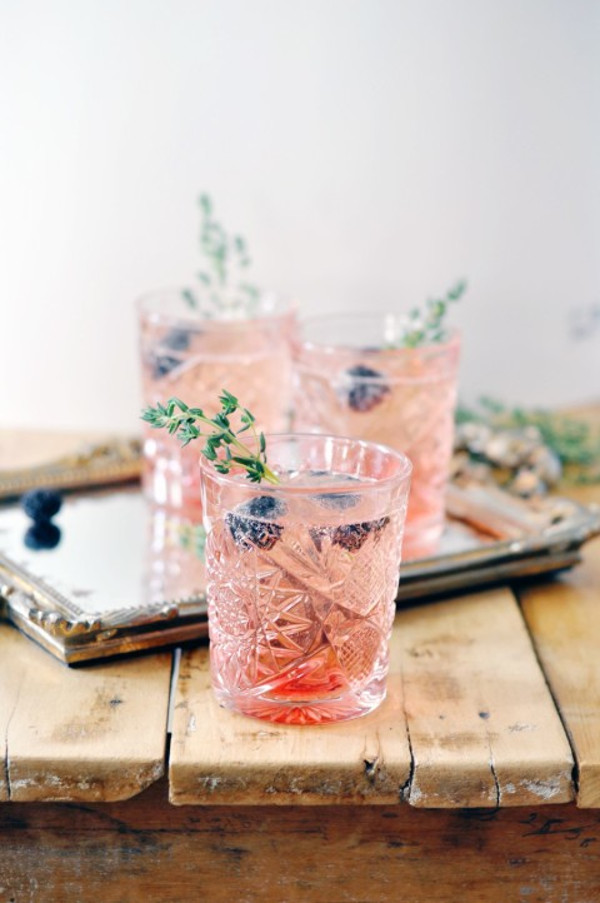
(302, 579)
(188, 355)
(352, 379)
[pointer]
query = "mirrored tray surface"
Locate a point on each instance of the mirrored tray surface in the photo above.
(126, 576)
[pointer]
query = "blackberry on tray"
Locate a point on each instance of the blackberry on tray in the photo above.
(41, 504)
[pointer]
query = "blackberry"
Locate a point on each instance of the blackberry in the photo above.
(246, 528)
(177, 340)
(41, 504)
(162, 364)
(350, 537)
(364, 396)
(42, 535)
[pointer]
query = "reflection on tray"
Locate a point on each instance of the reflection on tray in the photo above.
(491, 536)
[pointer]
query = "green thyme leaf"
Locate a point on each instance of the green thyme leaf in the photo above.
(429, 326)
(225, 259)
(190, 423)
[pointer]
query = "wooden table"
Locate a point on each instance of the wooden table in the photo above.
(477, 780)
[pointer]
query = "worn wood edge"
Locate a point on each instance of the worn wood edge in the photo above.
(366, 779)
(84, 736)
(114, 782)
(510, 789)
(144, 849)
(588, 795)
(265, 779)
(422, 783)
(581, 591)
(320, 787)
(442, 780)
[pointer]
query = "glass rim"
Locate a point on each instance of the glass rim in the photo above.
(358, 485)
(453, 335)
(283, 309)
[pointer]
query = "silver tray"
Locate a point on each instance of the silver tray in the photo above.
(492, 537)
(68, 601)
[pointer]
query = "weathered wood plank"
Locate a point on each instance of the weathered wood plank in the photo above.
(564, 620)
(97, 733)
(145, 850)
(220, 757)
(483, 728)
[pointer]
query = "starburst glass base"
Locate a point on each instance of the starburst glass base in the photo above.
(305, 711)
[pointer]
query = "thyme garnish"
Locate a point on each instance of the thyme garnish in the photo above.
(428, 326)
(222, 445)
(222, 277)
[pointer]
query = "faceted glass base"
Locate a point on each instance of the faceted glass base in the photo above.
(305, 711)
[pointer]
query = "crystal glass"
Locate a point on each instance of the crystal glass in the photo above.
(302, 578)
(193, 356)
(352, 379)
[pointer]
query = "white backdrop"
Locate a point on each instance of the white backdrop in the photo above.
(372, 151)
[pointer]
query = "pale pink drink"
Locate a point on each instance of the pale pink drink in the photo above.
(188, 355)
(302, 579)
(353, 380)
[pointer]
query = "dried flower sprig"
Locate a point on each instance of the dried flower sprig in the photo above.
(222, 445)
(428, 326)
(226, 259)
(574, 442)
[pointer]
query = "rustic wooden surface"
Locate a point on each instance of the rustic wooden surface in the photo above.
(483, 728)
(147, 851)
(469, 721)
(563, 616)
(220, 757)
(96, 733)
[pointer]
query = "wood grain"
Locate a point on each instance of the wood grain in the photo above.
(483, 727)
(89, 734)
(220, 757)
(146, 851)
(564, 619)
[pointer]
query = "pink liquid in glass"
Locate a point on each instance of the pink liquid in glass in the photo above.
(302, 580)
(195, 358)
(402, 397)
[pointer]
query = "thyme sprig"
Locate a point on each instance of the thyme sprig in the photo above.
(222, 445)
(428, 326)
(226, 259)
